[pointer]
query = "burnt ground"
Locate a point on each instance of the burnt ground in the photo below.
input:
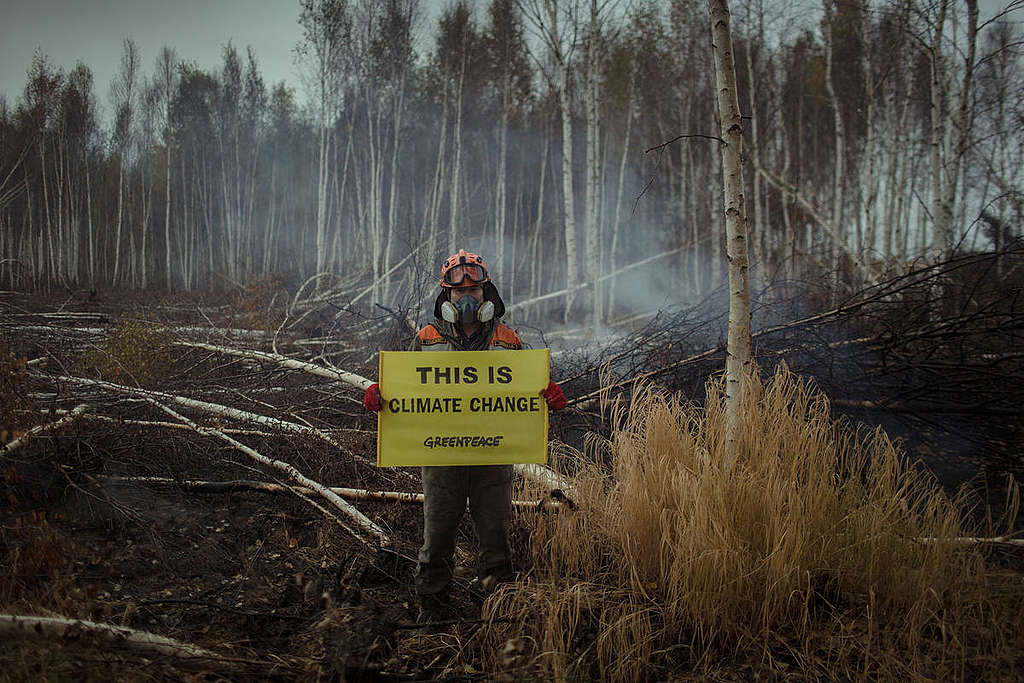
(265, 581)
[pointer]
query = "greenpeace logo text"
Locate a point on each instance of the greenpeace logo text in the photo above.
(463, 441)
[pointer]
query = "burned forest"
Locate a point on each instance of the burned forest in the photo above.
(775, 252)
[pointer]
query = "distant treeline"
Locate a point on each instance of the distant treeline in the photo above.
(877, 135)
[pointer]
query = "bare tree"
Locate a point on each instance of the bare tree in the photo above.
(946, 183)
(738, 353)
(41, 109)
(555, 24)
(510, 74)
(325, 30)
(123, 95)
(167, 83)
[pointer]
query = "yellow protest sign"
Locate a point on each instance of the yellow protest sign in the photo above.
(462, 408)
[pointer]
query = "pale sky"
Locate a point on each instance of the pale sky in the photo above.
(93, 31)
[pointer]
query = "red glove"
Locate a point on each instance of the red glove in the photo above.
(554, 396)
(371, 401)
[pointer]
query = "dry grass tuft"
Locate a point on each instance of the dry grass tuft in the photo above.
(18, 410)
(803, 556)
(254, 303)
(135, 352)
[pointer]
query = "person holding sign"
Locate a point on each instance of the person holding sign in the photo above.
(467, 317)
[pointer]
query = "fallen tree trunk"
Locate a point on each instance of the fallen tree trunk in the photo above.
(75, 413)
(60, 628)
(311, 368)
(206, 407)
(364, 522)
(572, 290)
(975, 540)
(545, 476)
(93, 317)
(165, 425)
(49, 329)
(183, 330)
(233, 486)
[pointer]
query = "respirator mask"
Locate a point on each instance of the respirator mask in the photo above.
(467, 310)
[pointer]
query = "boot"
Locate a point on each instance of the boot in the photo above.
(433, 610)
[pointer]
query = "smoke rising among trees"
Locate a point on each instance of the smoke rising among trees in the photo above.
(887, 132)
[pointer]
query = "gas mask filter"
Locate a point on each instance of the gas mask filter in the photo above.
(467, 309)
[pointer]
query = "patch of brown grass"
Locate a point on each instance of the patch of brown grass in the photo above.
(135, 352)
(821, 550)
(254, 305)
(34, 556)
(18, 411)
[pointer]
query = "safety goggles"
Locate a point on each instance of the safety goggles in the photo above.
(456, 275)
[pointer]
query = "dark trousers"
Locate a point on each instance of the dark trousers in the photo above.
(446, 489)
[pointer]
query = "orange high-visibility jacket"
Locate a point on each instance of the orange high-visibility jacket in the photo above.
(504, 337)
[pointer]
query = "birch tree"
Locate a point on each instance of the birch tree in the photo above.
(839, 148)
(80, 132)
(167, 83)
(455, 47)
(959, 138)
(41, 110)
(510, 76)
(1000, 88)
(755, 47)
(123, 96)
(738, 361)
(325, 32)
(555, 24)
(591, 191)
(253, 129)
(392, 56)
(941, 239)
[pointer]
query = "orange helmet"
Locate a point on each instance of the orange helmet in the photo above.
(464, 265)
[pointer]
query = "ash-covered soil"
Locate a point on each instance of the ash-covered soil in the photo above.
(267, 581)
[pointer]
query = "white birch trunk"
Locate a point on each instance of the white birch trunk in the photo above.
(92, 234)
(75, 413)
(592, 253)
(12, 625)
(536, 265)
(393, 190)
(900, 219)
(961, 134)
(205, 406)
(311, 368)
(866, 251)
(167, 211)
(738, 362)
(438, 185)
(619, 192)
(942, 240)
(568, 198)
(323, 150)
(364, 522)
(373, 199)
(839, 160)
(345, 492)
(501, 190)
(453, 225)
(120, 211)
(755, 142)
